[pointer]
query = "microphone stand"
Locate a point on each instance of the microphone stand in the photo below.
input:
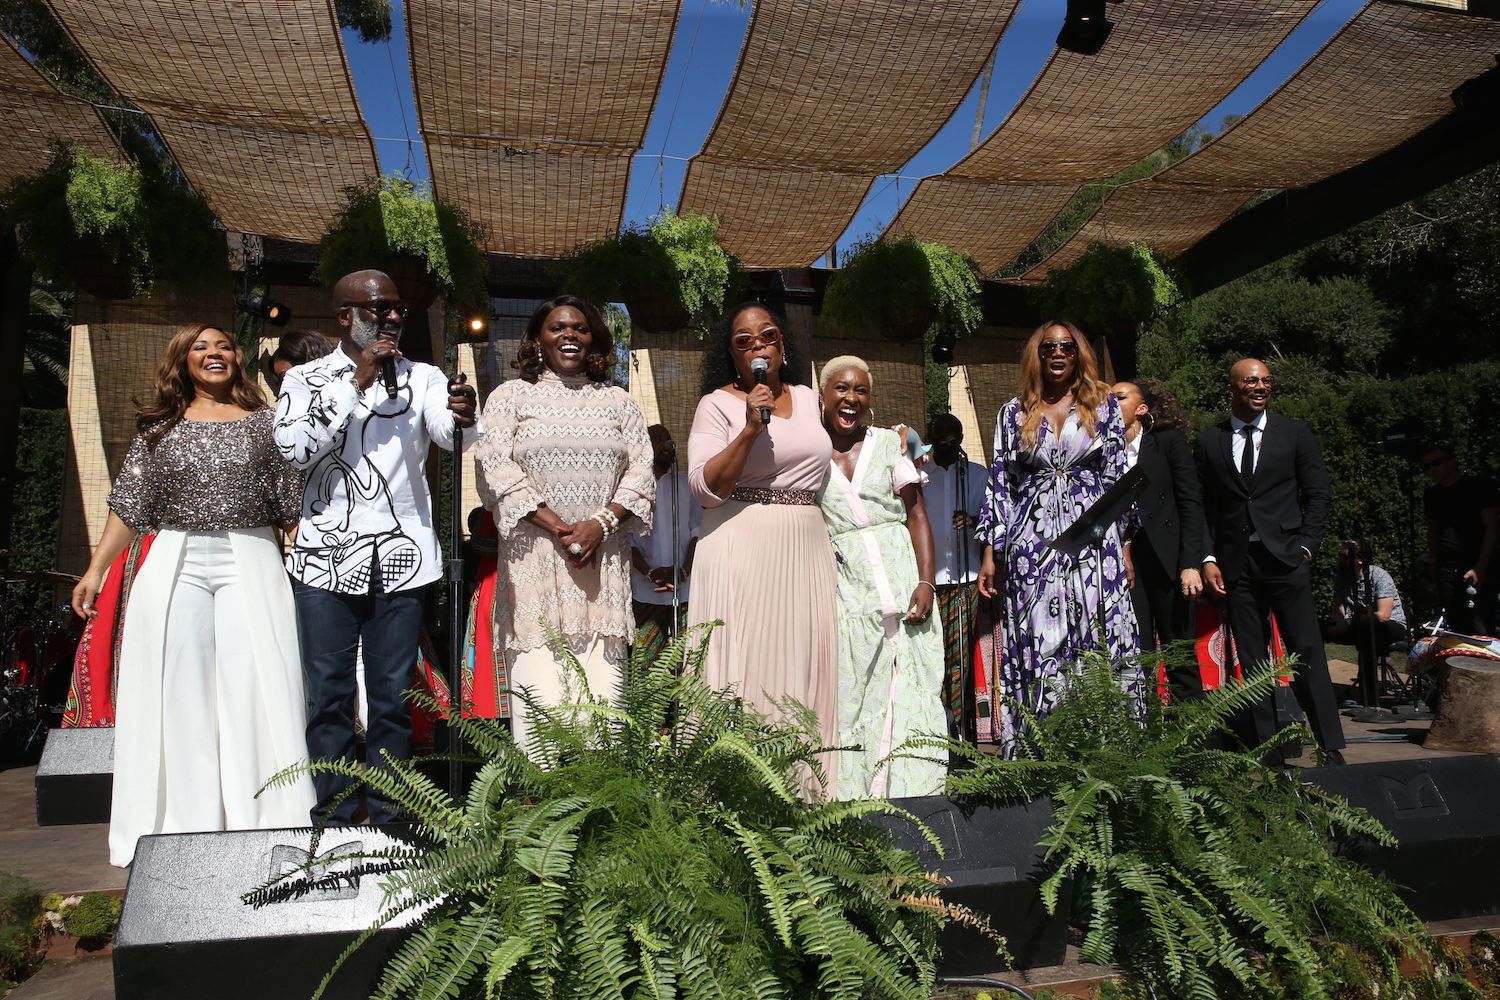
(676, 548)
(968, 724)
(456, 614)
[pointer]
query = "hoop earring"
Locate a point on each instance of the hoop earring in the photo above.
(870, 413)
(1150, 421)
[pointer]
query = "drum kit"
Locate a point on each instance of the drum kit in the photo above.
(36, 652)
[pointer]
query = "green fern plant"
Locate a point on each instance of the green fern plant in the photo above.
(654, 847)
(1197, 869)
(390, 216)
(900, 287)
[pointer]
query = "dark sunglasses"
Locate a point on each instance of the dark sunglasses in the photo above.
(381, 307)
(1066, 347)
(751, 341)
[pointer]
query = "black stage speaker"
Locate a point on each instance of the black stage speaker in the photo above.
(75, 777)
(994, 868)
(185, 933)
(1445, 814)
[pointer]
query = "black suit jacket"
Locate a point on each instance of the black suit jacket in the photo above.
(1171, 505)
(1286, 503)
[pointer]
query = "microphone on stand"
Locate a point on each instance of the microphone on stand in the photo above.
(758, 368)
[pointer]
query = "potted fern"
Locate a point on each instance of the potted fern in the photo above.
(654, 847)
(1111, 290)
(427, 246)
(900, 287)
(112, 227)
(1198, 870)
(671, 275)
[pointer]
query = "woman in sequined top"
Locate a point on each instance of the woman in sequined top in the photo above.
(209, 704)
(565, 467)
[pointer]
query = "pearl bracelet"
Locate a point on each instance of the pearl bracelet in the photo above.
(608, 529)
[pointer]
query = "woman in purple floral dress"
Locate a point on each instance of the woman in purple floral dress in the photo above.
(1058, 446)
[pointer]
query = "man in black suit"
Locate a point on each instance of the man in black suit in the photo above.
(1166, 549)
(1266, 500)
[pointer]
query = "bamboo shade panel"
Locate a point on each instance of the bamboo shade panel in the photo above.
(852, 86)
(1389, 74)
(1169, 220)
(770, 217)
(676, 370)
(39, 115)
(251, 63)
(532, 203)
(991, 357)
(585, 71)
(898, 390)
(990, 222)
(282, 184)
(1165, 65)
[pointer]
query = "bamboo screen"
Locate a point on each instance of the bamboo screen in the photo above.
(1389, 74)
(253, 98)
(1169, 220)
(1165, 65)
(828, 96)
(772, 217)
(991, 359)
(531, 110)
(988, 221)
(40, 115)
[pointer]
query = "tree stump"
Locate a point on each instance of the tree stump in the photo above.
(1468, 713)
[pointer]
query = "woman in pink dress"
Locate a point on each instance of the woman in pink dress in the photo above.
(764, 565)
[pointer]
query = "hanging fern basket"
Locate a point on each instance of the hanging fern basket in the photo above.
(96, 271)
(654, 310)
(415, 282)
(904, 329)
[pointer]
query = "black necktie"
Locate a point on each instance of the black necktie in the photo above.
(1247, 457)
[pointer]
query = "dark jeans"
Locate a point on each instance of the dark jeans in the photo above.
(331, 627)
(1471, 614)
(1265, 586)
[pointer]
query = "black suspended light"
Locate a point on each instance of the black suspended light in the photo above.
(1084, 28)
(261, 304)
(943, 343)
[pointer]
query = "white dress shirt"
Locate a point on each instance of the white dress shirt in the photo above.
(941, 496)
(366, 512)
(655, 546)
(1237, 437)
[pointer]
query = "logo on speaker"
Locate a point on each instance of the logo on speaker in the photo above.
(1417, 798)
(330, 875)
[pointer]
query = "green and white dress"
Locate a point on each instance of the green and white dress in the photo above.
(890, 673)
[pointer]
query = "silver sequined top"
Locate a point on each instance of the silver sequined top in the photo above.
(208, 476)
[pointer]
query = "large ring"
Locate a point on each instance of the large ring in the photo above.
(575, 549)
(86, 605)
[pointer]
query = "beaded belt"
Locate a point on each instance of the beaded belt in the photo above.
(756, 494)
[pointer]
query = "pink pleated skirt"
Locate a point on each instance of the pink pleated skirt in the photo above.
(767, 572)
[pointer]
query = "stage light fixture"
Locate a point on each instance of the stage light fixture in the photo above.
(942, 345)
(261, 304)
(476, 329)
(1084, 27)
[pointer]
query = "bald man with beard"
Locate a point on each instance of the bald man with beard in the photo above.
(366, 545)
(1266, 502)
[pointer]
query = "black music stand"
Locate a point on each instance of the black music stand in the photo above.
(1094, 524)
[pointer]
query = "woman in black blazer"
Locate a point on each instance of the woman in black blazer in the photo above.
(1166, 548)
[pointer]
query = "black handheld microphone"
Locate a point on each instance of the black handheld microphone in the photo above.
(388, 375)
(758, 368)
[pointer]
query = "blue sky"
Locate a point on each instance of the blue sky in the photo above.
(701, 65)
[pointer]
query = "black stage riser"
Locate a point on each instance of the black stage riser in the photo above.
(1445, 814)
(995, 869)
(75, 777)
(185, 934)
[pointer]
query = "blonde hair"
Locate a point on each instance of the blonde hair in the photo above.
(1087, 388)
(838, 364)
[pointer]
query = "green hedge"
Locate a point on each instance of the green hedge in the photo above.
(40, 457)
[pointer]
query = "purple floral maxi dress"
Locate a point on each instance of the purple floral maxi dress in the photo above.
(1051, 600)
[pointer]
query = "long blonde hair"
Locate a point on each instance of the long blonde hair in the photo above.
(173, 389)
(1087, 388)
